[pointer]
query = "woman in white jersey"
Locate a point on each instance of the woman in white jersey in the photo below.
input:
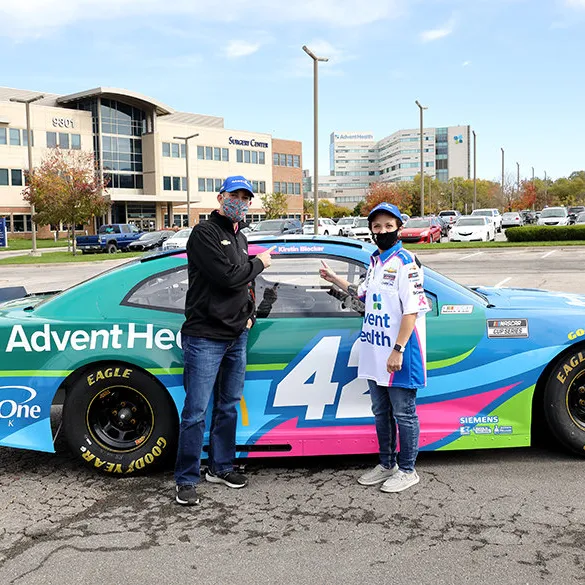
(393, 347)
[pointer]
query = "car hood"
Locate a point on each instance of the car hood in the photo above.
(532, 298)
(414, 231)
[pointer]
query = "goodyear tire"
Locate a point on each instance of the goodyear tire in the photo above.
(111, 248)
(564, 401)
(119, 420)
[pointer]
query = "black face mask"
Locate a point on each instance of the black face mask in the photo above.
(385, 240)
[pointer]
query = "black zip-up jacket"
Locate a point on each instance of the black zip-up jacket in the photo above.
(219, 302)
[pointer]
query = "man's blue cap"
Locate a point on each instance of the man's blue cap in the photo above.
(236, 182)
(386, 208)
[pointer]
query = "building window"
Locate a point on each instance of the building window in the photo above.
(277, 186)
(297, 188)
(289, 160)
(51, 139)
(3, 177)
(76, 141)
(246, 156)
(254, 155)
(296, 161)
(201, 184)
(16, 177)
(262, 187)
(64, 140)
(183, 183)
(275, 159)
(216, 153)
(21, 223)
(2, 135)
(25, 138)
(183, 150)
(14, 137)
(225, 155)
(175, 151)
(209, 185)
(208, 153)
(200, 153)
(261, 158)
(176, 183)
(167, 183)
(166, 149)
(239, 155)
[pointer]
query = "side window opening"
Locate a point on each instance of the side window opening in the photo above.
(165, 291)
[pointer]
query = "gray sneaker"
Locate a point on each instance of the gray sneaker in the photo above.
(377, 475)
(400, 481)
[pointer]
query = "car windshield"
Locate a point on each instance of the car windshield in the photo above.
(362, 222)
(446, 213)
(577, 209)
(470, 221)
(483, 212)
(182, 234)
(554, 212)
(345, 220)
(270, 225)
(418, 223)
(150, 236)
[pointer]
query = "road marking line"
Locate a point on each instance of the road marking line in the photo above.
(499, 285)
(470, 255)
(548, 254)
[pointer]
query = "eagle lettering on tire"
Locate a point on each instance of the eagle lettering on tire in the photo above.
(120, 420)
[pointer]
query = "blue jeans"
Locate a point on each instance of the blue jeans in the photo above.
(218, 368)
(392, 406)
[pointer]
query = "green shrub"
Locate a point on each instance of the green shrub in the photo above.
(545, 233)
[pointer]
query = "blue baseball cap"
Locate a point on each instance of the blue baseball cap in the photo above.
(386, 208)
(236, 182)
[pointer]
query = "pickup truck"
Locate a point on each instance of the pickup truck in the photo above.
(110, 238)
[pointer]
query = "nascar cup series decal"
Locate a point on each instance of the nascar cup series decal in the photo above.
(510, 328)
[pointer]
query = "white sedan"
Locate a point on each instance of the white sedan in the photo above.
(326, 226)
(473, 228)
(178, 240)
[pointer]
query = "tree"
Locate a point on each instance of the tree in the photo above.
(66, 188)
(308, 208)
(275, 205)
(380, 192)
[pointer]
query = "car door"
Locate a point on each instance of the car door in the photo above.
(301, 384)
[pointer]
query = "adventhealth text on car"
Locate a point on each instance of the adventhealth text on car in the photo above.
(111, 347)
(473, 228)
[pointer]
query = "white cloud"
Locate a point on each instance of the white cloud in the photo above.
(236, 49)
(466, 63)
(35, 18)
(302, 65)
(438, 33)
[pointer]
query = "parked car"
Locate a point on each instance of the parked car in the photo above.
(345, 225)
(109, 351)
(444, 226)
(450, 216)
(326, 227)
(149, 241)
(277, 227)
(361, 230)
(473, 228)
(512, 219)
(493, 213)
(421, 230)
(178, 240)
(554, 216)
(528, 216)
(580, 219)
(110, 238)
(574, 211)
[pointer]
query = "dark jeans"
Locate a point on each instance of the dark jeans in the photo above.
(392, 406)
(218, 368)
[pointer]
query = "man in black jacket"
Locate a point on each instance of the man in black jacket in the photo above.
(219, 312)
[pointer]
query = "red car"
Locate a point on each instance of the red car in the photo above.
(421, 230)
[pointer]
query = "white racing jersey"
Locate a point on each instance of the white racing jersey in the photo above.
(392, 288)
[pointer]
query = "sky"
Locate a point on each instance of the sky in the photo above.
(512, 69)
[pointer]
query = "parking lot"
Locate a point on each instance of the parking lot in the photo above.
(505, 516)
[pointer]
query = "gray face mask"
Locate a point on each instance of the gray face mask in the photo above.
(385, 240)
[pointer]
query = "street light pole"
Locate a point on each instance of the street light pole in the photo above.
(518, 178)
(27, 103)
(315, 134)
(502, 173)
(474, 170)
(545, 190)
(186, 140)
(533, 202)
(422, 163)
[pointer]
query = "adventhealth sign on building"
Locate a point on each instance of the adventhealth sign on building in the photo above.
(133, 138)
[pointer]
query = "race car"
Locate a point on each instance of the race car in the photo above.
(109, 350)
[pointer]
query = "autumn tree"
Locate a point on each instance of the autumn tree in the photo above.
(66, 188)
(380, 192)
(275, 205)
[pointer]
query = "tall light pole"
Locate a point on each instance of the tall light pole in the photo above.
(518, 178)
(545, 190)
(422, 163)
(27, 103)
(186, 140)
(315, 134)
(502, 173)
(474, 170)
(534, 200)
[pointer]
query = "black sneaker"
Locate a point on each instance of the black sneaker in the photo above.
(229, 478)
(186, 495)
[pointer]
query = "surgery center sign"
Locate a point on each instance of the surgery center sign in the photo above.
(254, 143)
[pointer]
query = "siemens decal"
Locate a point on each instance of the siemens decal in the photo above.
(116, 337)
(254, 143)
